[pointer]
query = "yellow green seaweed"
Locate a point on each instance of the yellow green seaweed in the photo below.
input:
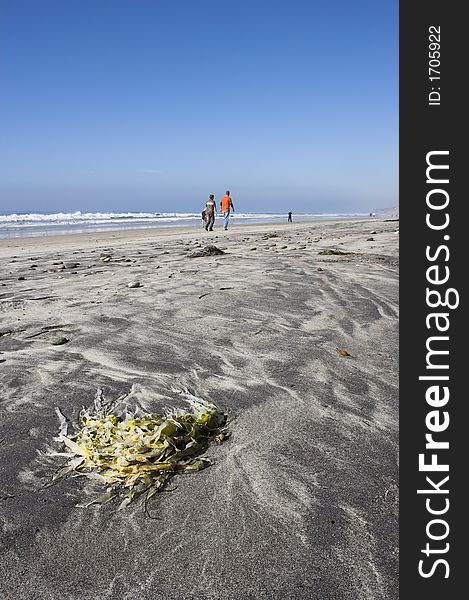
(133, 454)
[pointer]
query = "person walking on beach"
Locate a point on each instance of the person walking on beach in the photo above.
(226, 205)
(289, 218)
(210, 210)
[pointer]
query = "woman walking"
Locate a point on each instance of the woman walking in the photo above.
(210, 210)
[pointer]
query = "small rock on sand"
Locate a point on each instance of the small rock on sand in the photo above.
(58, 341)
(134, 284)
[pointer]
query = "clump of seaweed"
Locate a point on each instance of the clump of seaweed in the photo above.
(334, 252)
(133, 454)
(209, 250)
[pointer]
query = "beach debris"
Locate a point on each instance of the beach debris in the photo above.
(343, 352)
(333, 252)
(59, 341)
(134, 284)
(133, 454)
(209, 250)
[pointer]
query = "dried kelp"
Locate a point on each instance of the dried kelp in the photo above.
(334, 252)
(133, 454)
(209, 250)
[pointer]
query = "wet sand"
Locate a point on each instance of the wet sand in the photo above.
(300, 502)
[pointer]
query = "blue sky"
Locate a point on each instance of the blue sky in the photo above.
(151, 105)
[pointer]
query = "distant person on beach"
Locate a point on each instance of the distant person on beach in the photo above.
(226, 205)
(289, 218)
(210, 210)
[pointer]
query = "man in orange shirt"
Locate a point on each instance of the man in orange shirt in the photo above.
(226, 205)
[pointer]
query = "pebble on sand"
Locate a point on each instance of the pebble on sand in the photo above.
(58, 341)
(134, 284)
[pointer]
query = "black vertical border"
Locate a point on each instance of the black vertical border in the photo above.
(422, 129)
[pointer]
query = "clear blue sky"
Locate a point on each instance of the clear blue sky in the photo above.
(152, 105)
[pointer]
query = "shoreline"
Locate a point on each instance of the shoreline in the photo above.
(126, 235)
(97, 222)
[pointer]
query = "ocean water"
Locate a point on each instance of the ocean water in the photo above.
(39, 224)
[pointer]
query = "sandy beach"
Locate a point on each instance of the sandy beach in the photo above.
(300, 502)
